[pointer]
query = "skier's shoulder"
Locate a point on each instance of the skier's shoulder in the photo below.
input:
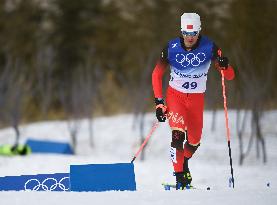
(170, 43)
(174, 42)
(206, 40)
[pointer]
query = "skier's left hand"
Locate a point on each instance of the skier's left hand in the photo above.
(223, 62)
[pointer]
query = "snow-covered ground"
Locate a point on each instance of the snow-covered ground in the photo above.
(116, 141)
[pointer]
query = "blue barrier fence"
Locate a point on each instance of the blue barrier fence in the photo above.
(43, 146)
(91, 177)
(39, 182)
(103, 177)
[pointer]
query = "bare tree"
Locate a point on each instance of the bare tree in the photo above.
(241, 125)
(44, 83)
(87, 89)
(90, 77)
(78, 102)
(139, 95)
(213, 95)
(253, 88)
(70, 102)
(13, 87)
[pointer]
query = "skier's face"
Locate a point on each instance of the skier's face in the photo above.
(190, 40)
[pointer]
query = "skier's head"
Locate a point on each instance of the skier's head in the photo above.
(190, 28)
(190, 23)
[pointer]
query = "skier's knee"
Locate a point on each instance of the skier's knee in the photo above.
(178, 138)
(190, 149)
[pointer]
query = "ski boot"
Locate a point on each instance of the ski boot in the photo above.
(183, 180)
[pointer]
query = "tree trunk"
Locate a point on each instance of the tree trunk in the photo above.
(213, 127)
(90, 127)
(260, 138)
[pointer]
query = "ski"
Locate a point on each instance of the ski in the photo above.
(168, 186)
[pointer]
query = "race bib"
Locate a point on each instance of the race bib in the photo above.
(189, 69)
(193, 82)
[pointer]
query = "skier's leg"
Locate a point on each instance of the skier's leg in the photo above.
(176, 118)
(195, 123)
(177, 115)
(193, 132)
(177, 150)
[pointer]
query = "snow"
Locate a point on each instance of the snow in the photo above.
(116, 140)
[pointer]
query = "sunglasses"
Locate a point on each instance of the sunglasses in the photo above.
(193, 33)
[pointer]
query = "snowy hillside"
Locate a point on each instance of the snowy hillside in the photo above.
(117, 141)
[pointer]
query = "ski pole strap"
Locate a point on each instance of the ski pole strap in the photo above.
(154, 127)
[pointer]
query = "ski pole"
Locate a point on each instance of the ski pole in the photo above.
(227, 122)
(154, 127)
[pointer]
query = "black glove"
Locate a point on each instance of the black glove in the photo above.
(160, 110)
(223, 62)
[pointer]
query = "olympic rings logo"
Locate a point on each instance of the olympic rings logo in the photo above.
(49, 184)
(190, 59)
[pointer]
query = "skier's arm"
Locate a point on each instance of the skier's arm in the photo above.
(157, 74)
(221, 63)
(157, 83)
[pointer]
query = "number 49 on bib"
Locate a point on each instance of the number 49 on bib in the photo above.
(189, 85)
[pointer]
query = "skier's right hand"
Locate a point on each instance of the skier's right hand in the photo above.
(160, 110)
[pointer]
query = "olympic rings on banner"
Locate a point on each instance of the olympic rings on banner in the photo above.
(48, 184)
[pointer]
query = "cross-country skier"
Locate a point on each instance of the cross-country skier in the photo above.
(189, 58)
